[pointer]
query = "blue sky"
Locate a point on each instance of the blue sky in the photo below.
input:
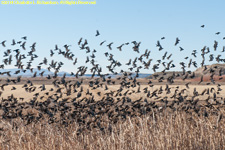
(117, 21)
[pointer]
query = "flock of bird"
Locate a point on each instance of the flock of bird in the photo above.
(81, 104)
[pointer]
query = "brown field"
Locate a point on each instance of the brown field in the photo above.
(132, 91)
(20, 92)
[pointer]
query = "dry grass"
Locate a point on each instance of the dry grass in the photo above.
(162, 131)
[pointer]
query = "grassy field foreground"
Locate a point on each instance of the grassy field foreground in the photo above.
(162, 131)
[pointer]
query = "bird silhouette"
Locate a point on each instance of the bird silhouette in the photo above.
(177, 41)
(97, 33)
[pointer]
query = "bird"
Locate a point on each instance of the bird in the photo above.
(13, 42)
(181, 49)
(97, 33)
(52, 53)
(23, 45)
(24, 37)
(79, 42)
(215, 45)
(102, 42)
(109, 45)
(3, 43)
(217, 33)
(177, 41)
(120, 47)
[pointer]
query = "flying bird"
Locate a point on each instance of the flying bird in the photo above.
(79, 41)
(109, 45)
(13, 42)
(97, 33)
(177, 41)
(25, 38)
(3, 43)
(102, 43)
(217, 33)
